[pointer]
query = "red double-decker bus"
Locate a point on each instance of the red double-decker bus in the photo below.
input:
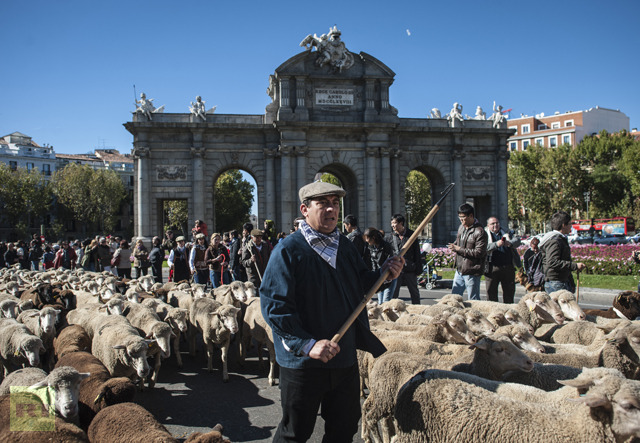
(604, 226)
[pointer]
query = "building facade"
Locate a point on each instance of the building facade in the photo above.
(559, 129)
(330, 112)
(20, 151)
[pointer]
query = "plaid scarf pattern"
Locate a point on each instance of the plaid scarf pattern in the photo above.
(326, 246)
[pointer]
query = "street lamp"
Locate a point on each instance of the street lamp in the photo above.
(587, 198)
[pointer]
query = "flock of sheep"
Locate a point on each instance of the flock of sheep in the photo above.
(89, 338)
(539, 370)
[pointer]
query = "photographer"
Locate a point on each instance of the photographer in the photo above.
(502, 261)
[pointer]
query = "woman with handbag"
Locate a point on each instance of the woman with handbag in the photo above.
(141, 259)
(122, 260)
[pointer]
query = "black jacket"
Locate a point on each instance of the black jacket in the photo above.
(556, 257)
(412, 258)
(473, 241)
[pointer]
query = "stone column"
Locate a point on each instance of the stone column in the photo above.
(384, 96)
(197, 206)
(287, 194)
(302, 113)
(502, 200)
(301, 167)
(370, 97)
(270, 184)
(396, 186)
(371, 197)
(385, 187)
(143, 201)
(456, 177)
(285, 112)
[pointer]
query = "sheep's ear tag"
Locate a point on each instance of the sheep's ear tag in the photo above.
(618, 297)
(57, 296)
(97, 398)
(16, 353)
(150, 345)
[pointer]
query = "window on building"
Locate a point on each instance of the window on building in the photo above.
(525, 144)
(542, 127)
(513, 146)
(13, 165)
(553, 142)
(29, 166)
(526, 129)
(568, 123)
(555, 125)
(566, 139)
(540, 141)
(46, 169)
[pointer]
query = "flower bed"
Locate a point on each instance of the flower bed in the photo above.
(599, 259)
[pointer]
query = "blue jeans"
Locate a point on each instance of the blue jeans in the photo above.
(469, 282)
(387, 294)
(553, 286)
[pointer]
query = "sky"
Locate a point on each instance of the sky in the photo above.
(69, 67)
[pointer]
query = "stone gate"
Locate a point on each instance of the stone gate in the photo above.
(330, 112)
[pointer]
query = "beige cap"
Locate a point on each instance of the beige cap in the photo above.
(319, 189)
(257, 232)
(181, 238)
(199, 236)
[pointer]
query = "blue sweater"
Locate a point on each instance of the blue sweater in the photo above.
(303, 297)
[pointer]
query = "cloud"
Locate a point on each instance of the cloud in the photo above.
(408, 32)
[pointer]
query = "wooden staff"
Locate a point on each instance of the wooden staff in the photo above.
(383, 277)
(577, 286)
(255, 260)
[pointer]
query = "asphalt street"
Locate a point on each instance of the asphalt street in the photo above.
(191, 399)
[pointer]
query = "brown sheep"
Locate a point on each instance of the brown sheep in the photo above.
(100, 389)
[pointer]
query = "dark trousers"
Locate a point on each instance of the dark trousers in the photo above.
(504, 275)
(410, 280)
(141, 271)
(335, 391)
(156, 271)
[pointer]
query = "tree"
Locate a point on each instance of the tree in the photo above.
(233, 198)
(417, 198)
(25, 195)
(176, 213)
(92, 196)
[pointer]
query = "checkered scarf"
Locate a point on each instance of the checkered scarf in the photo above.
(325, 245)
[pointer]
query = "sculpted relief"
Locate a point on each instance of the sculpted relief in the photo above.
(172, 172)
(478, 173)
(331, 50)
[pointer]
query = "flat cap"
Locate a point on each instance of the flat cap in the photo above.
(199, 236)
(257, 232)
(319, 189)
(181, 238)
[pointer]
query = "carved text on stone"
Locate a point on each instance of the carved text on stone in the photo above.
(334, 97)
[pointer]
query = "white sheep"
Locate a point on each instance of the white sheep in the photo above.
(176, 318)
(521, 337)
(492, 358)
(9, 308)
(445, 410)
(477, 322)
(393, 309)
(147, 322)
(42, 324)
(120, 348)
(216, 322)
(18, 346)
(256, 328)
(534, 308)
(569, 305)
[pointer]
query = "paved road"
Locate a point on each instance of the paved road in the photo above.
(190, 399)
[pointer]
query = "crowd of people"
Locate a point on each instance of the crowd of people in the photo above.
(213, 261)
